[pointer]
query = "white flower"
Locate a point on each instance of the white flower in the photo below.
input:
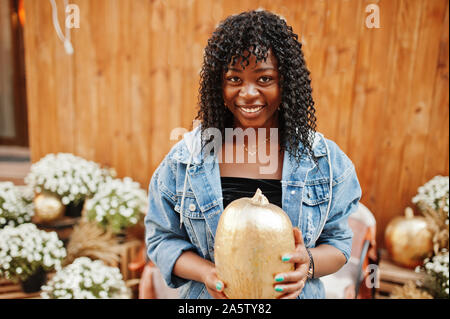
(28, 248)
(65, 200)
(86, 279)
(16, 206)
(71, 177)
(434, 194)
(118, 204)
(437, 270)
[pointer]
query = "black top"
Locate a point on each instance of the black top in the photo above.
(237, 187)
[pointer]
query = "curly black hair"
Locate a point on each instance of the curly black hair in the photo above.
(256, 32)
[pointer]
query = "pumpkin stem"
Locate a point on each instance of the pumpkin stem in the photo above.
(409, 213)
(259, 198)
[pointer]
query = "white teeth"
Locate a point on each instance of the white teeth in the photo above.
(251, 110)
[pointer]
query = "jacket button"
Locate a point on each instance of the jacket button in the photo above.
(292, 192)
(192, 207)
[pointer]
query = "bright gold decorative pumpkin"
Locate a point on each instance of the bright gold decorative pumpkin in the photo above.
(408, 239)
(251, 237)
(48, 207)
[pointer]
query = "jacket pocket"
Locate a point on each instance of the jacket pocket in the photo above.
(315, 199)
(195, 224)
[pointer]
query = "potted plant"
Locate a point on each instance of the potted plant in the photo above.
(86, 279)
(27, 254)
(71, 178)
(16, 206)
(432, 200)
(118, 205)
(436, 281)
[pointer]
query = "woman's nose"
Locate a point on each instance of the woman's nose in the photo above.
(248, 90)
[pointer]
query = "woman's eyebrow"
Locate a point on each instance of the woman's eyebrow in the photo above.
(255, 70)
(264, 69)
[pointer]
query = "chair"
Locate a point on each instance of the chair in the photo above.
(151, 284)
(350, 281)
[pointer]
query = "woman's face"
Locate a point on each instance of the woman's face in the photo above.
(253, 94)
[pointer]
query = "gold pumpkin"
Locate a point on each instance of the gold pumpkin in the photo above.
(408, 239)
(48, 207)
(251, 237)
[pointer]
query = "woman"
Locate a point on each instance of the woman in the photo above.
(254, 82)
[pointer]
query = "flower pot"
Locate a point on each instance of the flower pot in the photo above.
(73, 210)
(121, 236)
(35, 281)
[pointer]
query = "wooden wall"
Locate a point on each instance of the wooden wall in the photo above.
(381, 93)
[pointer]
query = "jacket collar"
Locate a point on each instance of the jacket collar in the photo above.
(190, 145)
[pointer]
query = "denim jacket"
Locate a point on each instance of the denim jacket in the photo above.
(318, 198)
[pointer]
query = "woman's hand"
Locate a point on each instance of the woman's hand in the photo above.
(193, 267)
(292, 283)
(213, 284)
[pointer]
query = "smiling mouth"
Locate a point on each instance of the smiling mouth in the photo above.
(251, 109)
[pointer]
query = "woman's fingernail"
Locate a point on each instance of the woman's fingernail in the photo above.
(279, 289)
(279, 278)
(219, 286)
(286, 258)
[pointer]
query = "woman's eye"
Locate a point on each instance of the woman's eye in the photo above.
(265, 79)
(233, 79)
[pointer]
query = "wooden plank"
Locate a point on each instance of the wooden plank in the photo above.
(313, 15)
(33, 66)
(393, 276)
(140, 123)
(88, 87)
(391, 272)
(391, 139)
(4, 281)
(19, 295)
(9, 288)
(14, 171)
(190, 62)
(345, 43)
(105, 25)
(438, 133)
(419, 106)
(121, 89)
(375, 48)
(127, 251)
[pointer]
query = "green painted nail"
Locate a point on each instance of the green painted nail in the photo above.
(219, 286)
(279, 278)
(279, 289)
(286, 258)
